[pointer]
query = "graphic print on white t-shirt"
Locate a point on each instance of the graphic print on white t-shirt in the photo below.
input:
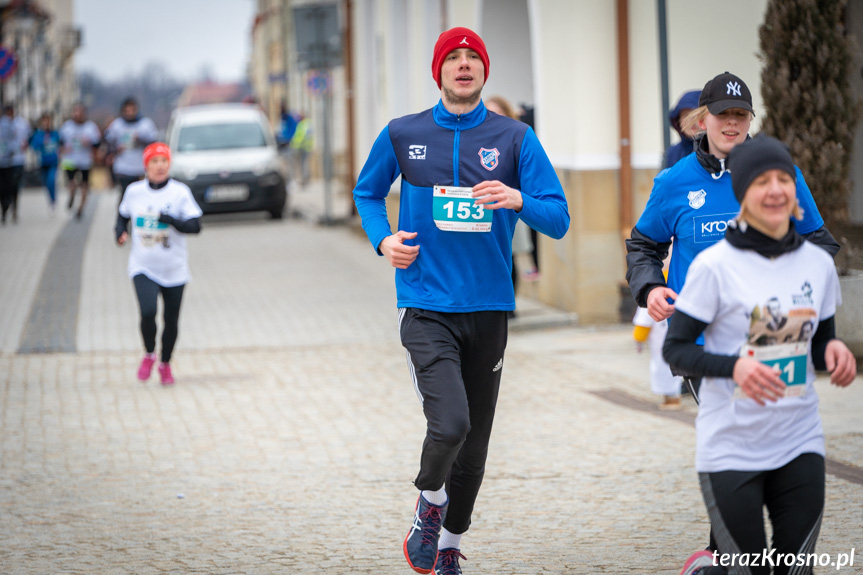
(781, 341)
(769, 324)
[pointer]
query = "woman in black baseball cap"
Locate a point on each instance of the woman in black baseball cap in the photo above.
(692, 202)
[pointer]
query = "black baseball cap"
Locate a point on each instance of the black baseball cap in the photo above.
(724, 92)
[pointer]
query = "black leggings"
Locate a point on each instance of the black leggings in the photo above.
(148, 292)
(456, 360)
(794, 496)
(10, 180)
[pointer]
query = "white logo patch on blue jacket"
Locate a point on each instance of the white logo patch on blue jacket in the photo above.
(416, 152)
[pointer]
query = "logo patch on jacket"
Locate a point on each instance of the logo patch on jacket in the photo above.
(416, 152)
(488, 158)
(697, 199)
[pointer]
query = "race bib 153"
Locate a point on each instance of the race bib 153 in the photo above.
(453, 210)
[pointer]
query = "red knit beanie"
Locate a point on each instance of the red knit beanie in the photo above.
(156, 149)
(453, 39)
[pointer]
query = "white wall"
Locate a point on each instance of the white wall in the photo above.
(707, 38)
(392, 53)
(704, 39)
(505, 29)
(576, 51)
(574, 47)
(563, 58)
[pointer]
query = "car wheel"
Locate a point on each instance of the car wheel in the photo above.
(278, 213)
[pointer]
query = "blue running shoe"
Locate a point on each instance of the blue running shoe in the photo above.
(447, 562)
(421, 542)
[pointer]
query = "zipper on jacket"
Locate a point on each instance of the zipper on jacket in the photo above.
(456, 138)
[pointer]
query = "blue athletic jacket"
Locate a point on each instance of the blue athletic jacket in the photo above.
(458, 271)
(693, 206)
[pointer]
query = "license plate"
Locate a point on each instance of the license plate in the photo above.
(227, 193)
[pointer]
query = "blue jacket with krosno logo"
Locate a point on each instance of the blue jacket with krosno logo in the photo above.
(693, 206)
(458, 271)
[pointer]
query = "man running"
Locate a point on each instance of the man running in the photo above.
(467, 177)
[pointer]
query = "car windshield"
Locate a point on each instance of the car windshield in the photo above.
(221, 137)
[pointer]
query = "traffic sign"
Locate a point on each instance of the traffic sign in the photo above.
(8, 63)
(319, 39)
(319, 81)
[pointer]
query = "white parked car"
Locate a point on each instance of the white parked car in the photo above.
(228, 155)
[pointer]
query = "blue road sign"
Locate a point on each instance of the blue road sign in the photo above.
(8, 63)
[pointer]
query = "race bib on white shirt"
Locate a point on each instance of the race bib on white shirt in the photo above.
(788, 360)
(151, 231)
(454, 210)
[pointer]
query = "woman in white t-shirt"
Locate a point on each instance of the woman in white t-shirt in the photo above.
(161, 211)
(759, 436)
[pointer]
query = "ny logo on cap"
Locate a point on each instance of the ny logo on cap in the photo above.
(733, 89)
(464, 41)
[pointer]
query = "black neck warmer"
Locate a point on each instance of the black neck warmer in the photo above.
(707, 160)
(748, 238)
(159, 186)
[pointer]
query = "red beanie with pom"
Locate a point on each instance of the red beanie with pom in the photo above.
(453, 39)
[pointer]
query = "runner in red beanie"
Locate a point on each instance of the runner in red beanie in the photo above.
(467, 177)
(453, 39)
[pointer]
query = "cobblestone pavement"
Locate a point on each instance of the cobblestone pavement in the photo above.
(291, 438)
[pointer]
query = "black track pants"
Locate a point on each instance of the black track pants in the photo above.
(456, 360)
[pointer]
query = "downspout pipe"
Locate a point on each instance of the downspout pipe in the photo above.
(623, 115)
(663, 73)
(348, 59)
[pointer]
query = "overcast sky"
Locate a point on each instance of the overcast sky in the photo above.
(121, 36)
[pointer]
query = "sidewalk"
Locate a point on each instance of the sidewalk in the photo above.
(292, 436)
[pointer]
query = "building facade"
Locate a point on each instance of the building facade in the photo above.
(43, 38)
(591, 71)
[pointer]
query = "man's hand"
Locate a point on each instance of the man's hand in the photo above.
(494, 195)
(657, 306)
(397, 253)
(757, 380)
(840, 363)
(122, 239)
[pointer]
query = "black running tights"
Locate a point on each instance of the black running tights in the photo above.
(794, 497)
(148, 292)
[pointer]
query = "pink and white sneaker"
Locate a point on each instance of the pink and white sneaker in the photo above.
(165, 374)
(697, 563)
(146, 367)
